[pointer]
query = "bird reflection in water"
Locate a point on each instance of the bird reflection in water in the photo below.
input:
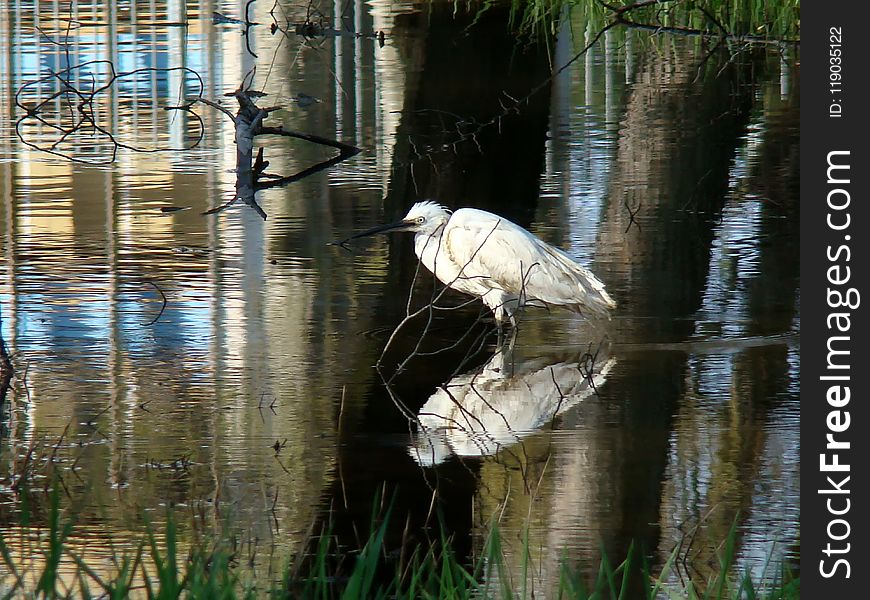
(483, 411)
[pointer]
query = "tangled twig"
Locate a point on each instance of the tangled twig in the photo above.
(80, 115)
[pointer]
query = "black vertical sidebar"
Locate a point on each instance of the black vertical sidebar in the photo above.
(835, 370)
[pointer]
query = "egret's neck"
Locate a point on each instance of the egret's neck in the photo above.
(427, 246)
(428, 241)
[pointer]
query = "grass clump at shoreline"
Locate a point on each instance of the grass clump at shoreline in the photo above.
(211, 569)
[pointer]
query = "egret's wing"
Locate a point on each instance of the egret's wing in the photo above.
(487, 247)
(506, 256)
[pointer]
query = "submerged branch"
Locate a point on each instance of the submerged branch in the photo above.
(250, 174)
(162, 307)
(217, 106)
(76, 120)
(345, 148)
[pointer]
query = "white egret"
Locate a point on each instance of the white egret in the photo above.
(485, 255)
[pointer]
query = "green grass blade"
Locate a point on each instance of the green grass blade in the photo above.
(627, 570)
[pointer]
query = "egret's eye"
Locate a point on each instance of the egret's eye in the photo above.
(420, 220)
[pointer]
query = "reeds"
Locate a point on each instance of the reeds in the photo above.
(752, 19)
(209, 569)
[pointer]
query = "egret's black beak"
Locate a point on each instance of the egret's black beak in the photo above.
(397, 226)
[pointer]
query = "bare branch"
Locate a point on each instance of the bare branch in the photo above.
(224, 110)
(162, 308)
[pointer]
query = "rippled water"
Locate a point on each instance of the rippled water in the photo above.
(667, 165)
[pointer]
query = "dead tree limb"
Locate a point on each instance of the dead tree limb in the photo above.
(250, 175)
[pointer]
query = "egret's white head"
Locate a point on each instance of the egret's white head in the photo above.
(426, 217)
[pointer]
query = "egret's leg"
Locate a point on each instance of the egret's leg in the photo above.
(501, 321)
(514, 331)
(499, 312)
(514, 326)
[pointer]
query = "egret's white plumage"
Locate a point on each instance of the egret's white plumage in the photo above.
(507, 267)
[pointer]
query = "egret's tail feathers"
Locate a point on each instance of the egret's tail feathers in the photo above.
(594, 305)
(593, 298)
(599, 305)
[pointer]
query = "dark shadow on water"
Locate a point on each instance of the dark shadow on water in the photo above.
(465, 73)
(688, 149)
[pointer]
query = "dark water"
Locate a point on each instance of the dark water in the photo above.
(667, 165)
